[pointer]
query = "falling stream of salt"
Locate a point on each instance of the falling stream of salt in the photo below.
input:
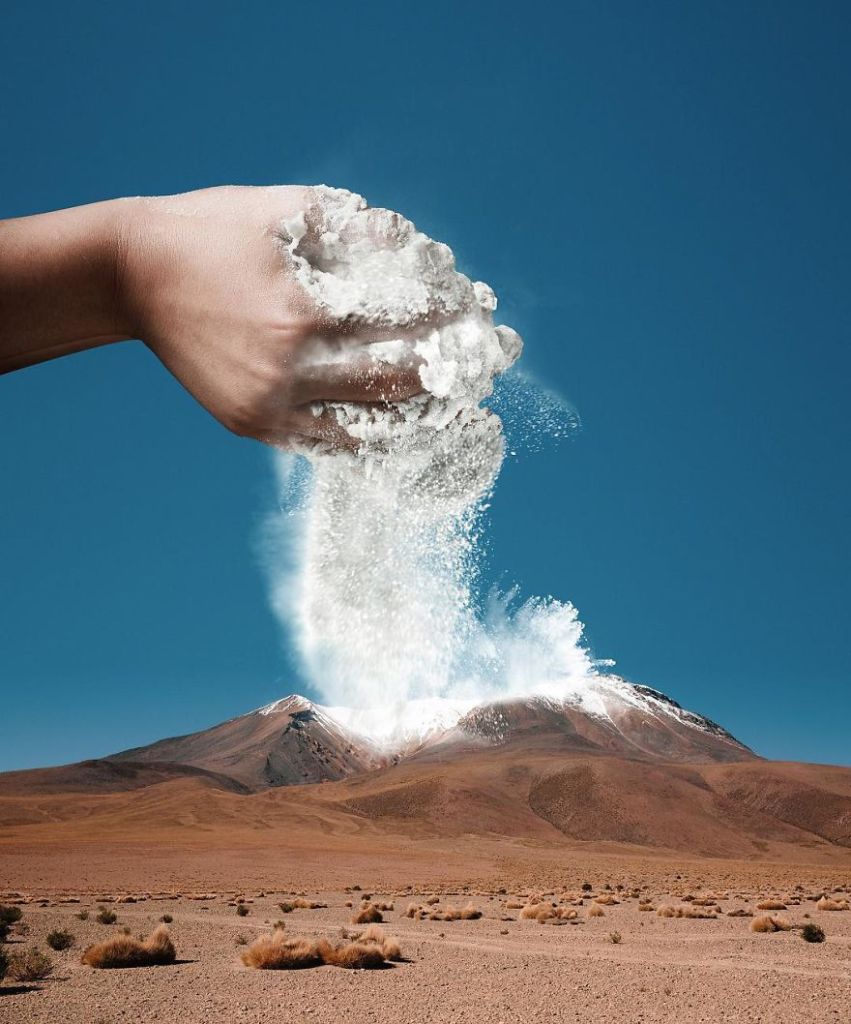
(380, 593)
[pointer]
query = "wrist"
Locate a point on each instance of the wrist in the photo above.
(60, 283)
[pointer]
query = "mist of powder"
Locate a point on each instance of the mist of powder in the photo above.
(379, 589)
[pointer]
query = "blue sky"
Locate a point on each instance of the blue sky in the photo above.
(659, 195)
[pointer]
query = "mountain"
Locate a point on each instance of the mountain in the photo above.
(295, 741)
(607, 763)
(289, 742)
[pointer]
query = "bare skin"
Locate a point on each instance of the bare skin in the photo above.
(202, 279)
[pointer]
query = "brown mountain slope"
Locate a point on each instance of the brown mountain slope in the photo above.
(649, 726)
(107, 776)
(592, 801)
(290, 742)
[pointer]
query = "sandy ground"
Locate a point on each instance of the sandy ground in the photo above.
(487, 970)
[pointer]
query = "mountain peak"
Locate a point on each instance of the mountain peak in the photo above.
(285, 706)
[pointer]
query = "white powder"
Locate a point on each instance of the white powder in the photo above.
(382, 596)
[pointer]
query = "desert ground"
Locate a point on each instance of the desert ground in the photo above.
(610, 962)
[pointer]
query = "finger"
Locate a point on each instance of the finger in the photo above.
(364, 380)
(305, 428)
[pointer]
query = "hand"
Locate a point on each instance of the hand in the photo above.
(207, 286)
(202, 279)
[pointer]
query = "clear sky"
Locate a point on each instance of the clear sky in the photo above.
(659, 194)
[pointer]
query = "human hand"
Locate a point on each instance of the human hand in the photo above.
(205, 282)
(203, 279)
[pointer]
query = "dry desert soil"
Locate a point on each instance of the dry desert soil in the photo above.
(497, 969)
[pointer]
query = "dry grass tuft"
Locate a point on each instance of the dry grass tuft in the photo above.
(689, 911)
(277, 952)
(106, 916)
(770, 905)
(448, 913)
(606, 900)
(596, 911)
(468, 913)
(351, 955)
(826, 903)
(768, 923)
(127, 951)
(374, 935)
(368, 914)
(548, 912)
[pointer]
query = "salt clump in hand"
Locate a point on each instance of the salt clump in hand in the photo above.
(397, 293)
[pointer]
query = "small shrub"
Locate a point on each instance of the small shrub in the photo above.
(126, 951)
(448, 913)
(694, 913)
(166, 919)
(826, 903)
(242, 910)
(812, 933)
(106, 916)
(587, 887)
(241, 940)
(83, 915)
(33, 965)
(374, 935)
(4, 963)
(9, 916)
(545, 913)
(615, 937)
(767, 923)
(368, 914)
(59, 939)
(351, 955)
(369, 949)
(276, 952)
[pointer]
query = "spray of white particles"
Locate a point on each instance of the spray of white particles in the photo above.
(380, 595)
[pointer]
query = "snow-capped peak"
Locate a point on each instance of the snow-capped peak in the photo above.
(404, 726)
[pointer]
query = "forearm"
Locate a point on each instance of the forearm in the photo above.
(60, 276)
